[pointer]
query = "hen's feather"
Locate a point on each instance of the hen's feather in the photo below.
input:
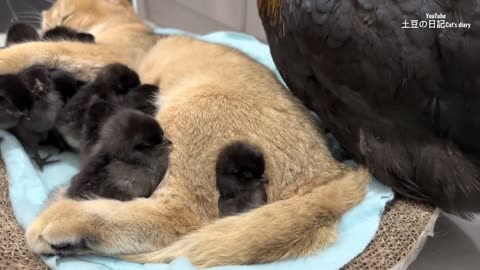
(402, 100)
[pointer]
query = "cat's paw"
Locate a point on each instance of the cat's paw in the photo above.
(62, 229)
(200, 252)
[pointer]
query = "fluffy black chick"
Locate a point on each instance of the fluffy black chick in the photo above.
(21, 32)
(99, 110)
(129, 160)
(240, 178)
(118, 77)
(67, 86)
(113, 80)
(47, 103)
(16, 101)
(65, 83)
(141, 98)
(65, 33)
(97, 113)
(37, 86)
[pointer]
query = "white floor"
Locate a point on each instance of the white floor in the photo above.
(455, 246)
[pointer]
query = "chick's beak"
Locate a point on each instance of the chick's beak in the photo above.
(264, 179)
(27, 114)
(167, 142)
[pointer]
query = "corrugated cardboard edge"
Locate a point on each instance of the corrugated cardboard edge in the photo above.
(417, 248)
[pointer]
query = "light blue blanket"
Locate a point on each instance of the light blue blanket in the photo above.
(30, 188)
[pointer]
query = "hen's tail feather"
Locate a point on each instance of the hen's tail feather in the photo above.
(449, 178)
(413, 160)
(284, 229)
(434, 171)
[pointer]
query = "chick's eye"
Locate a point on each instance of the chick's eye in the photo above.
(248, 175)
(143, 146)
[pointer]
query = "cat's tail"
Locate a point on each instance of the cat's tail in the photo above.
(284, 229)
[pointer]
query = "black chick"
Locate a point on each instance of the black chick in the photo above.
(99, 110)
(112, 80)
(240, 179)
(141, 98)
(97, 113)
(17, 98)
(47, 103)
(65, 83)
(21, 32)
(129, 160)
(16, 101)
(67, 86)
(118, 77)
(65, 33)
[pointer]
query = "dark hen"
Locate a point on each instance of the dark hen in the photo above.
(402, 101)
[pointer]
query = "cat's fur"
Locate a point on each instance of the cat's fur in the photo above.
(211, 95)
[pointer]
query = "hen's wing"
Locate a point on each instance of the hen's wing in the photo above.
(402, 100)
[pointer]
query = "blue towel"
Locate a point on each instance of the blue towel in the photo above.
(29, 190)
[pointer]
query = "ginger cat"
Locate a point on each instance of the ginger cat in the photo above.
(211, 96)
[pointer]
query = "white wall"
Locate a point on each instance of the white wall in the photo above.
(203, 16)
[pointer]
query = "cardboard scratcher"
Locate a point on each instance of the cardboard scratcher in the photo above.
(404, 229)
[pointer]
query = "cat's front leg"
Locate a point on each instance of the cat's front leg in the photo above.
(82, 59)
(109, 227)
(13, 60)
(62, 229)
